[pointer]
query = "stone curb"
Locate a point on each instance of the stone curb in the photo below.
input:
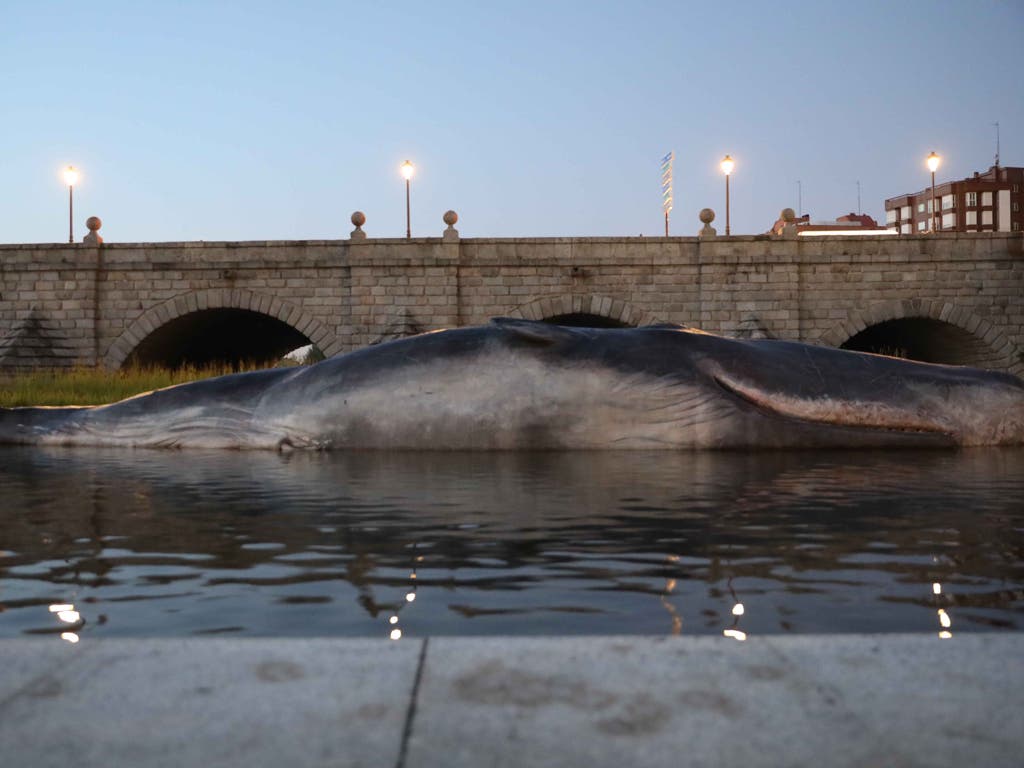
(842, 700)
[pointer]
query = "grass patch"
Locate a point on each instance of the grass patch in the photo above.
(93, 386)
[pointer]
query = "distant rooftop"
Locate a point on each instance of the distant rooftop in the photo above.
(847, 224)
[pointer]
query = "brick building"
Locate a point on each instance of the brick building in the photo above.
(986, 202)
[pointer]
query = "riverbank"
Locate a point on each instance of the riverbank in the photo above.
(835, 700)
(93, 386)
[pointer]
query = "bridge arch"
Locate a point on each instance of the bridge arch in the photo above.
(933, 331)
(289, 318)
(584, 309)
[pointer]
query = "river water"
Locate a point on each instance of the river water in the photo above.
(172, 543)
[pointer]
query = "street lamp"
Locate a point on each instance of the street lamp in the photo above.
(727, 165)
(71, 178)
(933, 164)
(407, 170)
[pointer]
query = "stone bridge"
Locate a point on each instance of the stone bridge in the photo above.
(950, 298)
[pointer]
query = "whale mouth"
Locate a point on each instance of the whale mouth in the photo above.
(832, 412)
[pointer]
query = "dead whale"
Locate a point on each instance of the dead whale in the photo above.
(516, 384)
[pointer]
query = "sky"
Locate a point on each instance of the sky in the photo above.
(215, 120)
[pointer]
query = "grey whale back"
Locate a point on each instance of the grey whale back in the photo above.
(517, 384)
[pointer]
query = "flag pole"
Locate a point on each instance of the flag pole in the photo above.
(666, 186)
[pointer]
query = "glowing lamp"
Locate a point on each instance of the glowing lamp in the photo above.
(727, 165)
(407, 171)
(933, 163)
(71, 178)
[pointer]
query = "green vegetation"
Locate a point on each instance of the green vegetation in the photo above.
(892, 351)
(92, 386)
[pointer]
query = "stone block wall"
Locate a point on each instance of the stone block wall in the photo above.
(94, 305)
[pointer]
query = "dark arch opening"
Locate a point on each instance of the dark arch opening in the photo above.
(923, 339)
(585, 320)
(237, 338)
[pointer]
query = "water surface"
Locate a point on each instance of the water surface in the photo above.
(173, 543)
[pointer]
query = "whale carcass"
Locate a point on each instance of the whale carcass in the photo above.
(516, 384)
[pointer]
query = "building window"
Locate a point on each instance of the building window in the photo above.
(986, 218)
(920, 207)
(905, 212)
(921, 226)
(972, 199)
(1016, 187)
(972, 218)
(949, 221)
(1015, 207)
(1016, 226)
(986, 198)
(890, 216)
(948, 202)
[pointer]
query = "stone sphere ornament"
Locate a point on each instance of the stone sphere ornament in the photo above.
(93, 224)
(451, 234)
(789, 228)
(707, 216)
(358, 219)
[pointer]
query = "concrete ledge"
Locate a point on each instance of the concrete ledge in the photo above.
(206, 702)
(838, 700)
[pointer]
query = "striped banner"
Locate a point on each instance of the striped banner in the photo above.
(666, 181)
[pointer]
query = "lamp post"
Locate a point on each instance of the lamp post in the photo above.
(727, 165)
(407, 170)
(933, 164)
(71, 178)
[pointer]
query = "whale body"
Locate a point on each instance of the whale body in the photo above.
(517, 384)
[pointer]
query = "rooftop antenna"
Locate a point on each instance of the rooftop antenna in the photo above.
(858, 198)
(799, 198)
(996, 124)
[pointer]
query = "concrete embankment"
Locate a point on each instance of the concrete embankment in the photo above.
(838, 700)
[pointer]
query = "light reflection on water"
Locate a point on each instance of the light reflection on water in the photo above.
(164, 543)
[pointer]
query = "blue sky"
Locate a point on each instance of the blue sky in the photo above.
(257, 120)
